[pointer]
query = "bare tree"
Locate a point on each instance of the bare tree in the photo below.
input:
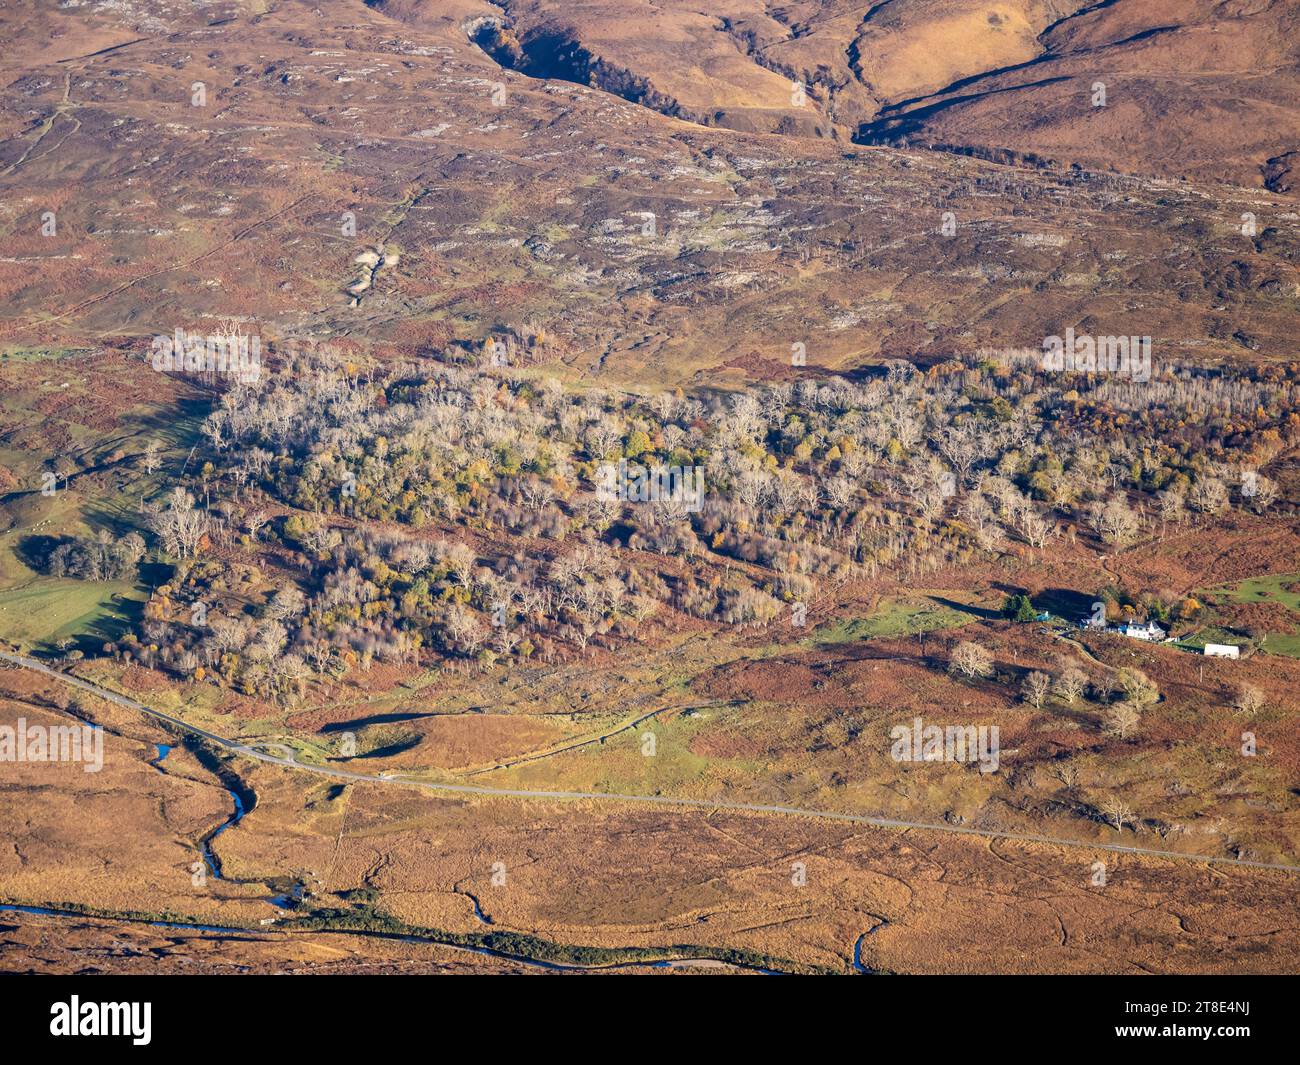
(977, 513)
(970, 660)
(1173, 505)
(1035, 688)
(227, 633)
(1033, 527)
(1115, 521)
(1247, 699)
(960, 445)
(459, 558)
(1118, 813)
(1263, 493)
(1071, 683)
(1208, 495)
(1105, 686)
(601, 437)
(463, 628)
(1122, 719)
(1068, 774)
(267, 641)
(287, 602)
(254, 520)
(320, 654)
(1140, 689)
(180, 527)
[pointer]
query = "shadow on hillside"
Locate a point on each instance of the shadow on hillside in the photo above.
(374, 719)
(1065, 602)
(987, 613)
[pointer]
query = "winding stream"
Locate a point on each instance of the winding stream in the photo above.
(244, 804)
(858, 965)
(209, 856)
(536, 963)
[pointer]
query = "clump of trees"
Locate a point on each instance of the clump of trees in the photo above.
(97, 558)
(181, 527)
(1019, 608)
(1119, 717)
(455, 511)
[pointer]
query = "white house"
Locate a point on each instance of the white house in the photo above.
(1146, 631)
(1222, 650)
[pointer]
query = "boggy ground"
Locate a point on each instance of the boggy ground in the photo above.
(789, 892)
(600, 875)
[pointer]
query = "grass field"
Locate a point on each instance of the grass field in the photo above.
(50, 608)
(1271, 588)
(101, 486)
(1277, 589)
(1282, 643)
(37, 610)
(896, 617)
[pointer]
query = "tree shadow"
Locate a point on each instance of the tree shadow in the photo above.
(392, 748)
(987, 613)
(100, 516)
(1065, 602)
(374, 719)
(123, 618)
(34, 551)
